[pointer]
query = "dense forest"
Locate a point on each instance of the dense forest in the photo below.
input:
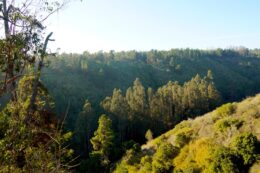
(147, 111)
(235, 71)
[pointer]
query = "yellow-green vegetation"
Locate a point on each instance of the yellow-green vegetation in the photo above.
(32, 142)
(226, 140)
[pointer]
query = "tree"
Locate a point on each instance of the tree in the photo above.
(136, 97)
(149, 135)
(38, 141)
(22, 43)
(102, 141)
(83, 128)
(118, 106)
(40, 146)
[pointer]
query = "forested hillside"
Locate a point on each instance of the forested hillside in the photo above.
(73, 78)
(111, 103)
(226, 140)
(159, 111)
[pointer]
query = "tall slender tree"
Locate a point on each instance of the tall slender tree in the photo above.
(103, 140)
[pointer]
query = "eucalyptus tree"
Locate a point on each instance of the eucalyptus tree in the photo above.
(22, 42)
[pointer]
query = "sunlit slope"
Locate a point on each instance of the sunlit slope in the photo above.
(224, 140)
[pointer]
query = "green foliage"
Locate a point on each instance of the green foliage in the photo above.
(223, 124)
(246, 145)
(149, 135)
(103, 140)
(162, 159)
(199, 151)
(37, 146)
(191, 169)
(195, 156)
(70, 80)
(146, 164)
(225, 110)
(161, 109)
(22, 43)
(131, 158)
(133, 155)
(183, 137)
(118, 106)
(225, 160)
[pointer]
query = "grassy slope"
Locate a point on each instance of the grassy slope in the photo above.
(205, 126)
(219, 127)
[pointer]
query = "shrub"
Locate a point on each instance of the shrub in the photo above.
(224, 110)
(183, 136)
(133, 155)
(183, 159)
(222, 124)
(246, 146)
(195, 156)
(203, 149)
(224, 160)
(146, 166)
(162, 159)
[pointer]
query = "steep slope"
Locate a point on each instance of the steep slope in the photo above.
(225, 140)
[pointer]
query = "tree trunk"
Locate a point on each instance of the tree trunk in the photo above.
(10, 87)
(32, 106)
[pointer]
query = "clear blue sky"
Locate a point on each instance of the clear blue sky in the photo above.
(95, 25)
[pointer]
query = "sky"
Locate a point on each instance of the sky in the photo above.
(94, 25)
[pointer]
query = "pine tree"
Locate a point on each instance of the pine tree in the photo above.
(102, 141)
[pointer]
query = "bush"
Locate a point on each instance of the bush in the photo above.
(224, 110)
(195, 156)
(224, 160)
(203, 149)
(222, 124)
(246, 146)
(146, 165)
(133, 155)
(162, 159)
(183, 136)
